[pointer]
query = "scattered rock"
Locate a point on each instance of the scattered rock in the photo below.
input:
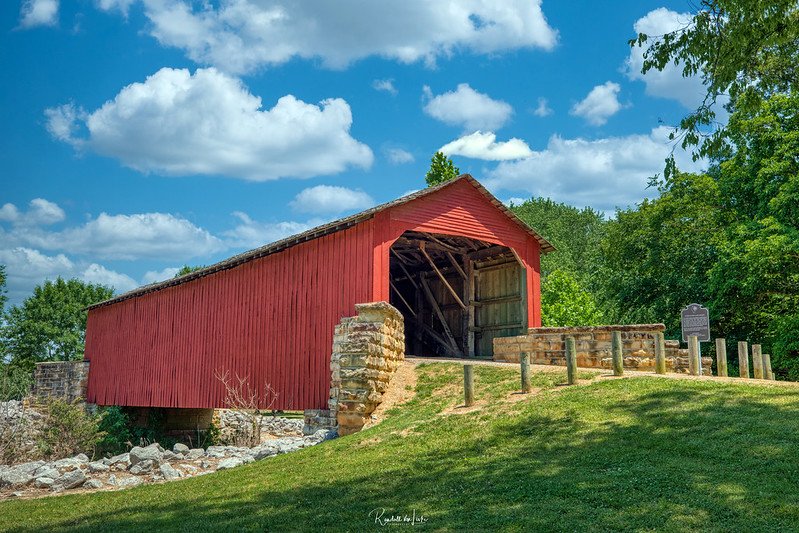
(195, 453)
(168, 455)
(142, 467)
(227, 464)
(131, 481)
(43, 482)
(46, 471)
(153, 453)
(169, 472)
(180, 448)
(98, 466)
(93, 484)
(189, 469)
(121, 458)
(70, 480)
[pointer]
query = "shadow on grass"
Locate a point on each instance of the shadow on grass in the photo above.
(623, 455)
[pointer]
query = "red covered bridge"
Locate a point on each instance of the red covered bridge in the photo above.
(453, 259)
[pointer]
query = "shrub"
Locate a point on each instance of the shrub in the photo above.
(117, 436)
(67, 429)
(15, 382)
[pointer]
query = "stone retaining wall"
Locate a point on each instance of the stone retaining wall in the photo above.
(546, 346)
(367, 350)
(60, 379)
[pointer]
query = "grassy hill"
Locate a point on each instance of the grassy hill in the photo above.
(615, 454)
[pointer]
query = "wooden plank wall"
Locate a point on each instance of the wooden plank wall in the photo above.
(271, 319)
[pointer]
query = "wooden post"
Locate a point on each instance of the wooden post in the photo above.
(693, 355)
(721, 357)
(526, 385)
(468, 385)
(571, 360)
(743, 359)
(468, 296)
(660, 353)
(757, 361)
(616, 350)
(767, 366)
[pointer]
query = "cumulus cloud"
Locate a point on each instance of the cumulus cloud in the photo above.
(154, 276)
(479, 145)
(599, 105)
(239, 36)
(137, 236)
(40, 212)
(100, 275)
(543, 109)
(603, 173)
(398, 156)
(668, 83)
(180, 123)
(385, 86)
(467, 108)
(252, 234)
(328, 199)
(38, 13)
(115, 5)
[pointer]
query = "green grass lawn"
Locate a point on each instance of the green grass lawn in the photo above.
(619, 454)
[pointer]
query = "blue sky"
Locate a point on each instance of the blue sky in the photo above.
(141, 135)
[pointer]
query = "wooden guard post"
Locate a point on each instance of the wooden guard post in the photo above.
(743, 359)
(525, 361)
(660, 353)
(468, 385)
(721, 357)
(571, 360)
(616, 350)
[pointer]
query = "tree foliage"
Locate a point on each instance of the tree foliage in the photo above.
(575, 233)
(728, 239)
(441, 169)
(50, 325)
(565, 303)
(186, 269)
(3, 297)
(745, 49)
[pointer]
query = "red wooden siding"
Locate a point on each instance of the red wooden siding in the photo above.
(271, 319)
(464, 211)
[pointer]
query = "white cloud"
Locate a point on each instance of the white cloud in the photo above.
(41, 212)
(385, 86)
(146, 235)
(668, 83)
(398, 156)
(600, 104)
(100, 275)
(154, 276)
(327, 199)
(38, 13)
(242, 35)
(543, 109)
(209, 123)
(479, 145)
(25, 268)
(602, 173)
(115, 5)
(9, 212)
(467, 108)
(251, 234)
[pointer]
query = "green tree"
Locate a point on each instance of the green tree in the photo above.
(3, 297)
(755, 282)
(658, 255)
(575, 233)
(186, 269)
(50, 325)
(565, 303)
(441, 169)
(745, 49)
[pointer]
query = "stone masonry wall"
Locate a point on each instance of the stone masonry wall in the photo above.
(60, 379)
(546, 346)
(367, 350)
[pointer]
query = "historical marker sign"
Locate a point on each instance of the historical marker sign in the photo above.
(695, 321)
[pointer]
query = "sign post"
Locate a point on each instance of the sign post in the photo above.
(696, 321)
